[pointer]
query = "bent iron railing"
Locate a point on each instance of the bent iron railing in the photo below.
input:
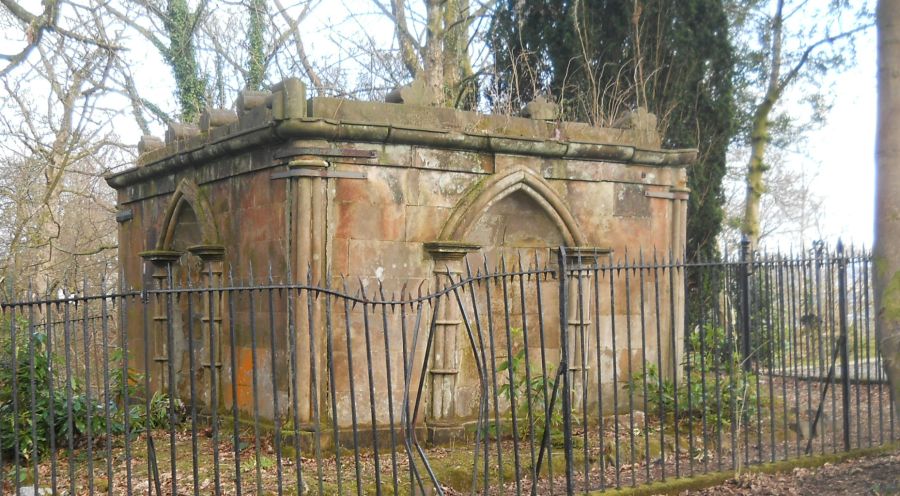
(561, 372)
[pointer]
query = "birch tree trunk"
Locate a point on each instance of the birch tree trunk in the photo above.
(759, 135)
(887, 209)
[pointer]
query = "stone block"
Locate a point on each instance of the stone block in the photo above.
(366, 221)
(630, 201)
(504, 162)
(424, 224)
(629, 363)
(289, 99)
(148, 144)
(444, 189)
(415, 93)
(352, 190)
(386, 259)
(340, 256)
(542, 109)
(248, 100)
(213, 118)
(452, 160)
(639, 118)
(257, 224)
(178, 131)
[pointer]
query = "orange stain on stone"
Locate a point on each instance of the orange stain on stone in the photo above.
(244, 377)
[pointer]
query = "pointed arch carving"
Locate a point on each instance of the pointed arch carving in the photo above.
(188, 195)
(491, 190)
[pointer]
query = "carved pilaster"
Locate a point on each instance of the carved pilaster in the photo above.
(679, 241)
(444, 368)
(579, 260)
(161, 263)
(308, 216)
(211, 276)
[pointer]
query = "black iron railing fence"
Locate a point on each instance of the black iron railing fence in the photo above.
(559, 372)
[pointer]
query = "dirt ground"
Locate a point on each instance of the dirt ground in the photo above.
(871, 476)
(617, 455)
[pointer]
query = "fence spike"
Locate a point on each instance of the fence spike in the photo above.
(362, 290)
(468, 267)
(346, 290)
(290, 274)
(520, 267)
(381, 291)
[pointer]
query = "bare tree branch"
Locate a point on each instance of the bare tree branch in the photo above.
(294, 30)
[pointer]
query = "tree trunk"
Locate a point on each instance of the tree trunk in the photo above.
(759, 134)
(887, 215)
(756, 168)
(459, 89)
(434, 37)
(182, 58)
(256, 72)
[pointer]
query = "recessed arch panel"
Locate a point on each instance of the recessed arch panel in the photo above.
(187, 195)
(485, 194)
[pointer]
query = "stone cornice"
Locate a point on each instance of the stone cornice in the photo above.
(449, 250)
(286, 116)
(160, 256)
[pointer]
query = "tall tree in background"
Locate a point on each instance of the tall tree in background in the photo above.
(190, 84)
(175, 43)
(793, 44)
(256, 70)
(216, 49)
(441, 58)
(887, 215)
(601, 58)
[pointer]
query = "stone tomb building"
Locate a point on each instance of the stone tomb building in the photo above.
(386, 194)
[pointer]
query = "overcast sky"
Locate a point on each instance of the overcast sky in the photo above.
(845, 149)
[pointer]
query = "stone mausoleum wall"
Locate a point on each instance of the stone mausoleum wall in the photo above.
(390, 195)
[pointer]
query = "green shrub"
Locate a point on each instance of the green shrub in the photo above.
(720, 389)
(718, 350)
(15, 403)
(32, 419)
(522, 387)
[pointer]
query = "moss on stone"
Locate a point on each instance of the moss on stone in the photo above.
(675, 486)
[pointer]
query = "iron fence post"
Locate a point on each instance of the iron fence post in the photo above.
(845, 363)
(564, 366)
(744, 289)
